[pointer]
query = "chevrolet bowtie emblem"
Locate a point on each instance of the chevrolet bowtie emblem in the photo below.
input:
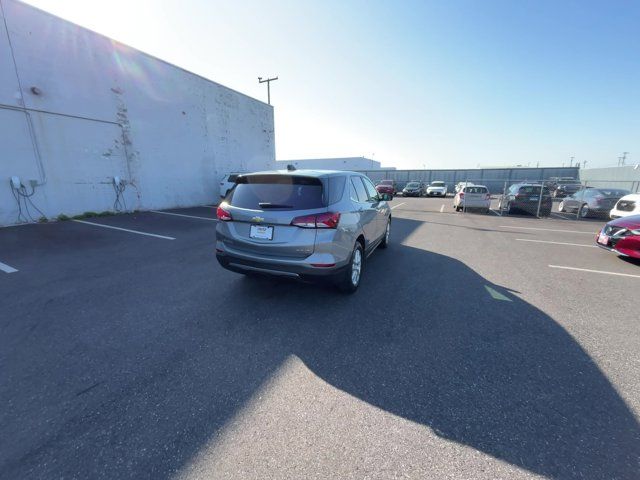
(257, 219)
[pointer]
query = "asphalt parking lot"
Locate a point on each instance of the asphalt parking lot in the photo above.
(477, 346)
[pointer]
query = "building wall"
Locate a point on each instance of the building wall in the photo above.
(77, 109)
(345, 163)
(627, 177)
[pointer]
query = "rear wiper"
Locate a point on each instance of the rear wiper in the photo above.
(273, 205)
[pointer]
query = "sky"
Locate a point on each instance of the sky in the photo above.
(425, 84)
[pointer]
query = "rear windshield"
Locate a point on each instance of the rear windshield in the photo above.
(288, 192)
(476, 190)
(529, 189)
(437, 184)
(610, 192)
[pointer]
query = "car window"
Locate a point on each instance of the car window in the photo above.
(336, 188)
(413, 184)
(232, 178)
(359, 190)
(291, 192)
(437, 184)
(372, 193)
(475, 190)
(613, 192)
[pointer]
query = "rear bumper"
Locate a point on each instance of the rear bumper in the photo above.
(304, 272)
(436, 194)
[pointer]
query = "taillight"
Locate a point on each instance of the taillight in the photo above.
(223, 215)
(461, 194)
(321, 220)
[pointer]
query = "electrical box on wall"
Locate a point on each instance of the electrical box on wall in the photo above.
(15, 182)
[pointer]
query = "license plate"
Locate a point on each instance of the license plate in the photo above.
(603, 239)
(261, 232)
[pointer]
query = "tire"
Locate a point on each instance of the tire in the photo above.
(458, 209)
(561, 207)
(385, 240)
(510, 209)
(584, 211)
(350, 281)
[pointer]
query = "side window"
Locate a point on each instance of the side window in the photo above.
(361, 193)
(372, 193)
(336, 187)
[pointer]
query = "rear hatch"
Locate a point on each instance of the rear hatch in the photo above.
(263, 206)
(531, 194)
(607, 199)
(475, 195)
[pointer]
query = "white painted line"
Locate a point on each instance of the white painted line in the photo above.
(562, 217)
(594, 271)
(494, 212)
(6, 268)
(396, 206)
(547, 229)
(183, 215)
(556, 243)
(442, 208)
(125, 230)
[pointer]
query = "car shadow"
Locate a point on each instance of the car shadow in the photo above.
(121, 392)
(498, 375)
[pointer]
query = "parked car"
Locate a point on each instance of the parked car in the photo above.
(525, 198)
(621, 236)
(626, 206)
(387, 186)
(473, 197)
(461, 185)
(305, 224)
(437, 189)
(227, 183)
(413, 189)
(565, 188)
(592, 201)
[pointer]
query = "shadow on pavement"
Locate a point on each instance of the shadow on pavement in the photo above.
(124, 389)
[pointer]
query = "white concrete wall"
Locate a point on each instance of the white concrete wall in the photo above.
(346, 163)
(103, 109)
(627, 177)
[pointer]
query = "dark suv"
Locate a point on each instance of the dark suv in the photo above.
(525, 197)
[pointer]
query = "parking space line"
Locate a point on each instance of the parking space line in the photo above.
(396, 206)
(7, 269)
(497, 295)
(546, 229)
(125, 230)
(494, 212)
(183, 215)
(595, 271)
(556, 243)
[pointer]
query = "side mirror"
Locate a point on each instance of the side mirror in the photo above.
(384, 197)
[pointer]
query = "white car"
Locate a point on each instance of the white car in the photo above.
(438, 189)
(227, 183)
(627, 205)
(473, 196)
(461, 185)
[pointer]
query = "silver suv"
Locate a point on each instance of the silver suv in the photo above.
(302, 224)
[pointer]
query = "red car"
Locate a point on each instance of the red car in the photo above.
(621, 236)
(387, 186)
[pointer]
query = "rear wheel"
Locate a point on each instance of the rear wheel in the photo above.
(584, 211)
(385, 239)
(351, 277)
(561, 207)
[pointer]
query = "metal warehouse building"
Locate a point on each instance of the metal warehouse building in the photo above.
(78, 109)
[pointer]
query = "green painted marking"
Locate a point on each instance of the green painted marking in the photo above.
(497, 295)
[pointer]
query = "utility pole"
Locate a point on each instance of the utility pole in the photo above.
(623, 158)
(571, 161)
(268, 82)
